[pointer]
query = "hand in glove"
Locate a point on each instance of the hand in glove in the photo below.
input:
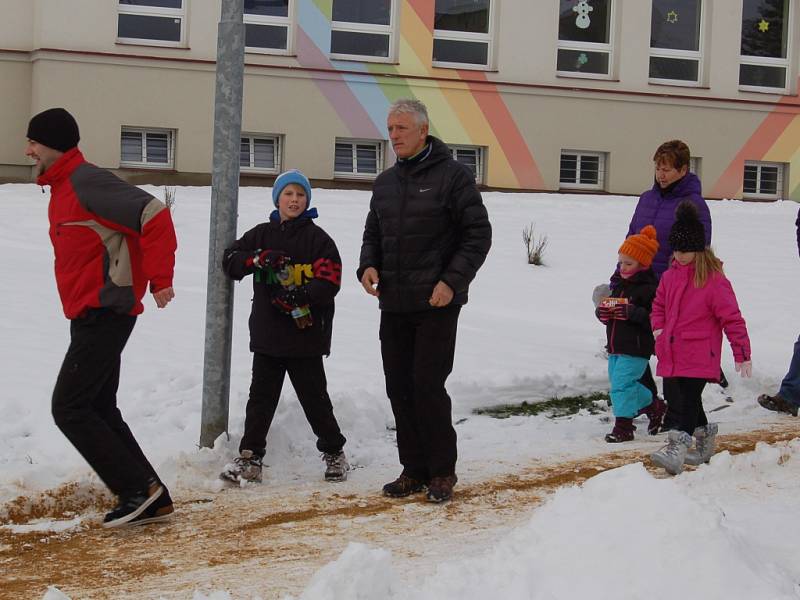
(286, 300)
(603, 313)
(623, 312)
(262, 259)
(745, 369)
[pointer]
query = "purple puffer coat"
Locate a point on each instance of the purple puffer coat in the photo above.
(656, 207)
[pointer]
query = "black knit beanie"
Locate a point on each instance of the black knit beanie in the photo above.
(687, 233)
(54, 128)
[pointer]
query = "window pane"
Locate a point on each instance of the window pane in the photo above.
(157, 147)
(343, 160)
(578, 61)
(764, 26)
(131, 146)
(569, 168)
(244, 153)
(468, 158)
(673, 68)
(366, 159)
(462, 15)
(750, 179)
(758, 75)
(158, 3)
(586, 23)
(265, 36)
(590, 169)
(144, 27)
(264, 154)
(769, 180)
(455, 51)
(361, 44)
(675, 24)
(376, 12)
(267, 8)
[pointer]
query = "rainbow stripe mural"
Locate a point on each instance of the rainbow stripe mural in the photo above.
(777, 139)
(462, 112)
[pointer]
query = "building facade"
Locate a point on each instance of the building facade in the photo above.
(533, 95)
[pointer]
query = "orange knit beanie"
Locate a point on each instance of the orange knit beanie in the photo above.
(642, 246)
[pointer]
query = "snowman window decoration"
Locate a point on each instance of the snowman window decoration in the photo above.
(582, 8)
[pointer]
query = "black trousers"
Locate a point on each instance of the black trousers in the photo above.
(647, 381)
(307, 375)
(685, 402)
(84, 401)
(417, 350)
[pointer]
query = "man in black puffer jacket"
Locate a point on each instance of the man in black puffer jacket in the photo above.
(427, 234)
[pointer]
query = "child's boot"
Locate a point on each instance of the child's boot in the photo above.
(672, 456)
(655, 412)
(706, 442)
(622, 432)
(336, 466)
(245, 467)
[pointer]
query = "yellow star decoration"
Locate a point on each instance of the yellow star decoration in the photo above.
(763, 26)
(672, 17)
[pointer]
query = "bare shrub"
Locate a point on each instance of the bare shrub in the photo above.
(169, 198)
(534, 245)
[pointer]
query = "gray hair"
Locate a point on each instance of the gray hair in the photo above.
(411, 107)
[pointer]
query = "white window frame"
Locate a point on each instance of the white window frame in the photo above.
(684, 55)
(780, 184)
(154, 11)
(764, 61)
(479, 162)
(287, 22)
(144, 164)
(251, 168)
(469, 36)
(379, 149)
(601, 171)
(389, 30)
(592, 47)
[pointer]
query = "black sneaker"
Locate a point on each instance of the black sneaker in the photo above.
(245, 467)
(132, 506)
(403, 486)
(440, 489)
(778, 404)
(159, 511)
(336, 466)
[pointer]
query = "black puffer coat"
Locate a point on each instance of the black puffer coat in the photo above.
(316, 266)
(426, 223)
(633, 336)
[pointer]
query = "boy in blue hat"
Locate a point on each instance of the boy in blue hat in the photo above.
(296, 274)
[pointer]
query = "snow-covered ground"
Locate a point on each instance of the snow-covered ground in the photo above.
(528, 333)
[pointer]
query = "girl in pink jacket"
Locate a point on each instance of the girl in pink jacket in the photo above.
(694, 304)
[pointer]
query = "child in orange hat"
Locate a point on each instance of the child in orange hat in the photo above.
(626, 315)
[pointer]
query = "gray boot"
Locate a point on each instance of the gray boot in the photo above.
(706, 443)
(671, 456)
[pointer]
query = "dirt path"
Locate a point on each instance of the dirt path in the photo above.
(255, 544)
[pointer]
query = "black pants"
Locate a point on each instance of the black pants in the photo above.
(685, 402)
(85, 401)
(308, 378)
(417, 350)
(647, 381)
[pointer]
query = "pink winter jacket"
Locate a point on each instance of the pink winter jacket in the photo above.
(692, 320)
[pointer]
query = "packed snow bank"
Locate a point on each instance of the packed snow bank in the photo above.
(712, 533)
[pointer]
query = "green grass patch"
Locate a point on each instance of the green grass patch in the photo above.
(553, 408)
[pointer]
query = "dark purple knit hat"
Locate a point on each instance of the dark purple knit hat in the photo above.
(54, 128)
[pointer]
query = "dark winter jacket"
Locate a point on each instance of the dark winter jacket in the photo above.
(110, 238)
(633, 336)
(426, 223)
(315, 265)
(657, 206)
(797, 223)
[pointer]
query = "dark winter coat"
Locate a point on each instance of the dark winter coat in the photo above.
(657, 206)
(797, 223)
(110, 238)
(316, 266)
(426, 223)
(633, 336)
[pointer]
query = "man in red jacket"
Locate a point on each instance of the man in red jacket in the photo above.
(110, 240)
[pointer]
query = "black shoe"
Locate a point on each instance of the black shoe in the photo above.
(403, 486)
(160, 510)
(778, 404)
(130, 507)
(723, 381)
(440, 489)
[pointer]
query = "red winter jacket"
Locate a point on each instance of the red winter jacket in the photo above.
(692, 320)
(110, 238)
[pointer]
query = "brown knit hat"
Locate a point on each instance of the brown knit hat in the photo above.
(642, 246)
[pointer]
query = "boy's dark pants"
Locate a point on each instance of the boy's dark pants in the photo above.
(685, 402)
(308, 378)
(417, 350)
(84, 401)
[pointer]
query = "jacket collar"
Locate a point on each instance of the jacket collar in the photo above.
(62, 168)
(685, 186)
